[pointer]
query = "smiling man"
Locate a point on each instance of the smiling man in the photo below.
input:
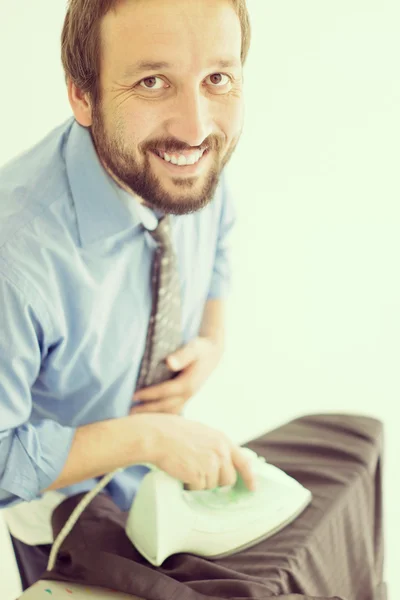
(114, 262)
(166, 111)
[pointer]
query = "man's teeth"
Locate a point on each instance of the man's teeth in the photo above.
(183, 161)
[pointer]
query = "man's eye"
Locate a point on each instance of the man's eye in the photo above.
(151, 83)
(219, 79)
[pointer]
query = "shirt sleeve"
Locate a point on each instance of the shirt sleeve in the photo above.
(222, 272)
(32, 455)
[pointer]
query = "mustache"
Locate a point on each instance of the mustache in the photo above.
(172, 146)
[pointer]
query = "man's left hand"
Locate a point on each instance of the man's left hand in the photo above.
(194, 363)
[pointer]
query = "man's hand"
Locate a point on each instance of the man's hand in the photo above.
(199, 456)
(194, 363)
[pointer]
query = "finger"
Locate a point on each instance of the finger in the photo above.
(158, 392)
(227, 474)
(208, 479)
(171, 405)
(213, 474)
(197, 486)
(243, 465)
(184, 356)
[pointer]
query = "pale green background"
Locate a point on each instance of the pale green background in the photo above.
(314, 316)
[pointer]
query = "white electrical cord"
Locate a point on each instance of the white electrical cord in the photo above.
(76, 513)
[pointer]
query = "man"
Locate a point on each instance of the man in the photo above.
(100, 222)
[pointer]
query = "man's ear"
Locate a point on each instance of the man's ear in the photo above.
(80, 105)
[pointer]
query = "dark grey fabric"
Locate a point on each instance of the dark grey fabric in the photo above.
(31, 561)
(334, 549)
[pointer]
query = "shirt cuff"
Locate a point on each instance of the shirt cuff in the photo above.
(36, 458)
(220, 288)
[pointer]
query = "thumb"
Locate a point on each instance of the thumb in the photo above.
(183, 357)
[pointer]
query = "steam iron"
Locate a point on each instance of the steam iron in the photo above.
(165, 519)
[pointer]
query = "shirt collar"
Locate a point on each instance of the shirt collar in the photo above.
(103, 209)
(145, 215)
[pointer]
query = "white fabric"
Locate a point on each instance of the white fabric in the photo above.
(30, 522)
(10, 580)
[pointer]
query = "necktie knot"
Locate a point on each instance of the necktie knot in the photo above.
(162, 233)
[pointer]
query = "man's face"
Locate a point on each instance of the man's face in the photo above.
(188, 109)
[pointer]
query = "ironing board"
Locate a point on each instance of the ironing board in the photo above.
(333, 550)
(55, 590)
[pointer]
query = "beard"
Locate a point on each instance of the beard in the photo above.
(139, 176)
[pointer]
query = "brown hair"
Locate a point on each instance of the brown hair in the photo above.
(81, 41)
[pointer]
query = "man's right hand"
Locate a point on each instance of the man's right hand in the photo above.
(199, 456)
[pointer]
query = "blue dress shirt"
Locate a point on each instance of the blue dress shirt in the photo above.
(75, 302)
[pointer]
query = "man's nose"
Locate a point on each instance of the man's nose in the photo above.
(191, 122)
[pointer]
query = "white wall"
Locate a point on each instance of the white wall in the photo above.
(314, 317)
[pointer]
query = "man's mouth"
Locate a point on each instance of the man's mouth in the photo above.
(184, 159)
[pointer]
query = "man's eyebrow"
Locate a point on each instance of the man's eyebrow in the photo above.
(144, 65)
